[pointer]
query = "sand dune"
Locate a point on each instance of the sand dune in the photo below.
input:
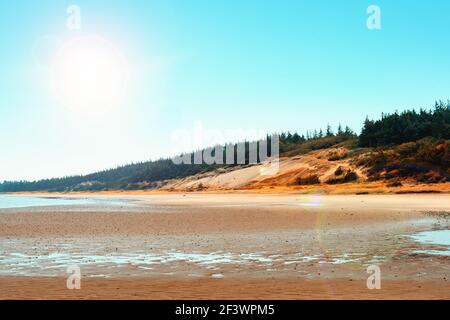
(291, 171)
(321, 171)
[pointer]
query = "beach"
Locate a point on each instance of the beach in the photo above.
(227, 246)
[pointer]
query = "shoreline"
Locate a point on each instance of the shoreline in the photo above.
(360, 188)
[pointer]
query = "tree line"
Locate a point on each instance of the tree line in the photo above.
(407, 126)
(146, 174)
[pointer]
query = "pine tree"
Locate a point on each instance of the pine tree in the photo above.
(329, 131)
(339, 130)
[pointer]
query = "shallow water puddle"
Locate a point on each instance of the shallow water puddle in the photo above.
(19, 263)
(15, 263)
(436, 237)
(20, 257)
(9, 202)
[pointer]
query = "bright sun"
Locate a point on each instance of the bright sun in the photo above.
(89, 73)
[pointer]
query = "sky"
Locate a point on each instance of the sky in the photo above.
(146, 75)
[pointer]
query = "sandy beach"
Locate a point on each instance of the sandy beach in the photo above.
(227, 246)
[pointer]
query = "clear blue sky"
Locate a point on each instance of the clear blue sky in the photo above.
(231, 64)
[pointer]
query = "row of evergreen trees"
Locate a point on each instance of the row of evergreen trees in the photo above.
(407, 126)
(317, 134)
(145, 173)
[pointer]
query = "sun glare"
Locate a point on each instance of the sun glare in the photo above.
(89, 74)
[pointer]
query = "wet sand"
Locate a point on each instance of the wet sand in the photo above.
(232, 289)
(230, 246)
